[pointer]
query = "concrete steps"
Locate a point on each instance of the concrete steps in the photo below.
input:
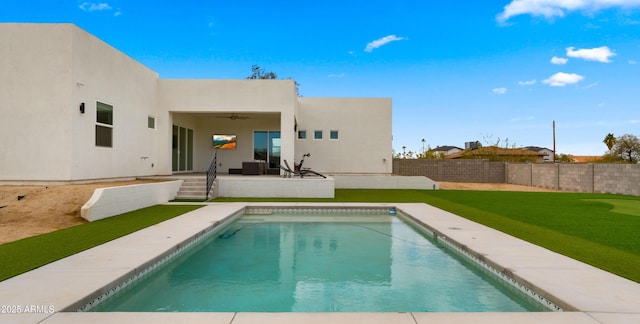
(193, 188)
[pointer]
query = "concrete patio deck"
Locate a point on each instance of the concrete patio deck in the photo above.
(52, 292)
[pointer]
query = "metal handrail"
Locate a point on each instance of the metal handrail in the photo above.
(212, 172)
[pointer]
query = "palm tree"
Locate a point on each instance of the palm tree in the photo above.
(609, 141)
(423, 141)
(404, 154)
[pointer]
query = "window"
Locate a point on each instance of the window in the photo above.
(333, 135)
(317, 134)
(104, 113)
(104, 124)
(151, 122)
(302, 134)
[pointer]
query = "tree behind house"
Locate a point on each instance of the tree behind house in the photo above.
(258, 73)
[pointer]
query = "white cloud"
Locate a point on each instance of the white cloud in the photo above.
(559, 60)
(633, 62)
(558, 8)
(382, 41)
(600, 54)
(527, 83)
(336, 75)
(89, 6)
(561, 79)
(499, 91)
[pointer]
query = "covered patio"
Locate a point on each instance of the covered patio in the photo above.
(258, 139)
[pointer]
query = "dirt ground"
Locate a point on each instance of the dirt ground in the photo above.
(44, 209)
(489, 187)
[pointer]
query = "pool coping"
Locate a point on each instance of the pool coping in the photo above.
(594, 295)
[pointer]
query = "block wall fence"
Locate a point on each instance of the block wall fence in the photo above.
(452, 170)
(590, 177)
(578, 177)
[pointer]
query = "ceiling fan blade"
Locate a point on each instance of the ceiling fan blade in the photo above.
(234, 117)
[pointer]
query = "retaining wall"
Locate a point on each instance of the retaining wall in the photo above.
(107, 202)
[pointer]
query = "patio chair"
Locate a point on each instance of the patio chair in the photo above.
(287, 170)
(298, 169)
(309, 171)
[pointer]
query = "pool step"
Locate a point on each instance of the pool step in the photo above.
(194, 188)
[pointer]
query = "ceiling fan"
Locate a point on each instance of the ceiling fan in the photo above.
(233, 117)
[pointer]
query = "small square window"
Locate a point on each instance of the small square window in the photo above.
(302, 134)
(151, 122)
(317, 134)
(333, 135)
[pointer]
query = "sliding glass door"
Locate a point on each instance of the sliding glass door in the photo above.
(266, 147)
(182, 149)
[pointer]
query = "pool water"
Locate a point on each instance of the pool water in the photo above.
(345, 263)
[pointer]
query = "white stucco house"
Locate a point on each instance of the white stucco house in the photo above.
(548, 153)
(447, 150)
(74, 108)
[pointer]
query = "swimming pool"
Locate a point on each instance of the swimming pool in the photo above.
(320, 260)
(587, 294)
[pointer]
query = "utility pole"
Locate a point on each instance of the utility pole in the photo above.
(554, 140)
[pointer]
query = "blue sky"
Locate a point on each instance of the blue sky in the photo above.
(457, 71)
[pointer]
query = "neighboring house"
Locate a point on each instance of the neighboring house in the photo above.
(447, 150)
(548, 154)
(494, 153)
(74, 108)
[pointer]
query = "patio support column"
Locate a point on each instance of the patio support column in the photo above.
(287, 136)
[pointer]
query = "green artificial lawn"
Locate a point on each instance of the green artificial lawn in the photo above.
(622, 206)
(587, 227)
(598, 229)
(30, 253)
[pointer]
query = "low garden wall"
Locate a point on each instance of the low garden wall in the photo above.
(107, 202)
